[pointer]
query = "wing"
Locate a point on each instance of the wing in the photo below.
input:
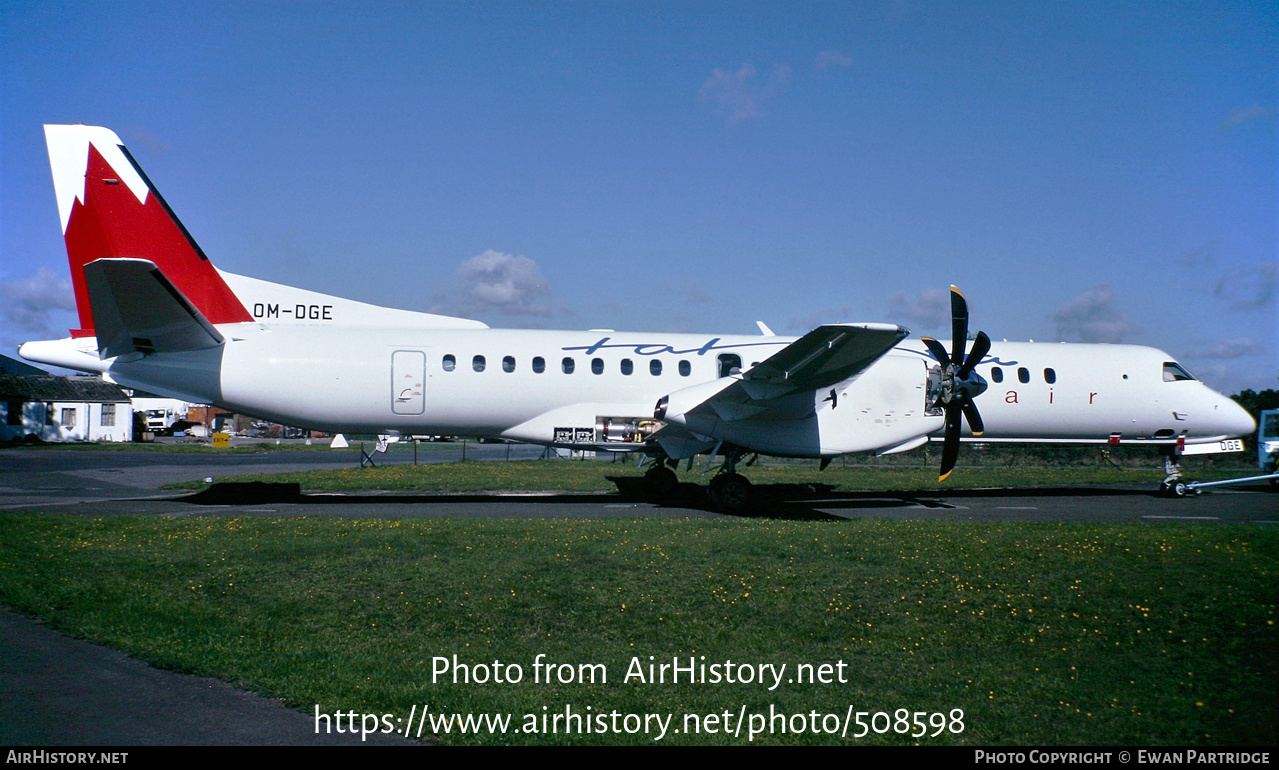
(781, 387)
(825, 356)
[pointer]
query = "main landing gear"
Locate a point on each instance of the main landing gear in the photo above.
(660, 482)
(729, 491)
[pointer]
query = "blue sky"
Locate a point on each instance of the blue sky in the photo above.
(1084, 171)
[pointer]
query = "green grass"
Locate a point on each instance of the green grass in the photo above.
(597, 476)
(195, 445)
(1042, 633)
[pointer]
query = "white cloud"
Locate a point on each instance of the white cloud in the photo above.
(1093, 316)
(499, 283)
(828, 59)
(1248, 288)
(28, 302)
(738, 95)
(1235, 347)
(929, 310)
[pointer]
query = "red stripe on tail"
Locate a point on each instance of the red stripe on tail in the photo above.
(112, 223)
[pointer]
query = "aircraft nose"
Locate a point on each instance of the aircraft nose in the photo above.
(1234, 419)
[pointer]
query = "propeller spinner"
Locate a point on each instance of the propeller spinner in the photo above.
(959, 383)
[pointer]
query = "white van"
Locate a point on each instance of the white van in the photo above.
(1268, 440)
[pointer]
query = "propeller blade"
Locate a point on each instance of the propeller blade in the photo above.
(950, 444)
(974, 418)
(937, 350)
(958, 325)
(981, 346)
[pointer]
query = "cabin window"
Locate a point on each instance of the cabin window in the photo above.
(1173, 372)
(627, 366)
(1023, 374)
(597, 366)
(654, 367)
(568, 365)
(539, 364)
(477, 363)
(996, 374)
(1050, 376)
(729, 364)
(449, 363)
(508, 364)
(685, 368)
(108, 416)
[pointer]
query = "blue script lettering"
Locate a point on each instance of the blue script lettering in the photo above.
(657, 348)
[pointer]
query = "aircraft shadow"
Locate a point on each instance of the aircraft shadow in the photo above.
(687, 496)
(806, 502)
(813, 501)
(260, 493)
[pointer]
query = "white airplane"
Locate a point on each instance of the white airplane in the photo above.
(155, 314)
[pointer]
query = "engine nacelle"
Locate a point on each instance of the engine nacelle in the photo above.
(886, 406)
(674, 407)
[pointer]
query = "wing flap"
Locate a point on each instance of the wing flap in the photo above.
(138, 310)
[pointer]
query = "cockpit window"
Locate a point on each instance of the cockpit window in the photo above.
(1173, 372)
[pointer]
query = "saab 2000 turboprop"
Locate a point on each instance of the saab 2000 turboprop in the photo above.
(155, 314)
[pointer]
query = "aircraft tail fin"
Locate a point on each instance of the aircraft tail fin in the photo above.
(110, 211)
(137, 309)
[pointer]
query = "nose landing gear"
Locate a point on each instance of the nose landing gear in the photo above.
(1174, 485)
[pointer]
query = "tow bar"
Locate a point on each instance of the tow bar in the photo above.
(1195, 486)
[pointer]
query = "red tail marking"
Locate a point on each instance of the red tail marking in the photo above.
(113, 224)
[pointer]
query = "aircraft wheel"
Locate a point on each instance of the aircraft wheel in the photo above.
(730, 493)
(660, 483)
(1178, 489)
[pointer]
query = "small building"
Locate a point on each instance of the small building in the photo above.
(55, 408)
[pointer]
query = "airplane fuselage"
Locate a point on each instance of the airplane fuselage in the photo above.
(599, 388)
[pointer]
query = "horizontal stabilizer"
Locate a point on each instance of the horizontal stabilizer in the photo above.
(137, 309)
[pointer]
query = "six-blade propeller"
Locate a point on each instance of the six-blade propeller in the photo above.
(959, 383)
